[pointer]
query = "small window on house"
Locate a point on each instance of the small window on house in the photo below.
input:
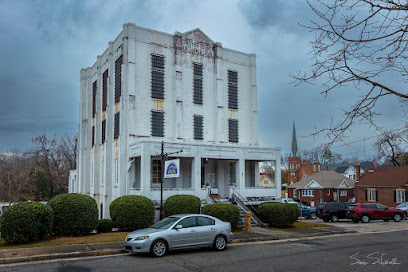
(118, 78)
(156, 170)
(400, 195)
(103, 131)
(328, 192)
(294, 192)
(94, 87)
(198, 83)
(198, 127)
(233, 130)
(307, 192)
(158, 123)
(232, 90)
(105, 89)
(157, 84)
(343, 193)
(116, 128)
(371, 195)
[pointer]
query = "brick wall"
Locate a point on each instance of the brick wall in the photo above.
(385, 195)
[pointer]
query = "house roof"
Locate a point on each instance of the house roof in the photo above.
(383, 176)
(324, 179)
(341, 169)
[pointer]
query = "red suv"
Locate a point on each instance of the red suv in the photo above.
(370, 211)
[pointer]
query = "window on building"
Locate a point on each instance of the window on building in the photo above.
(118, 78)
(94, 87)
(93, 135)
(198, 83)
(400, 196)
(105, 89)
(158, 123)
(307, 192)
(343, 193)
(328, 192)
(233, 130)
(116, 127)
(371, 195)
(103, 131)
(198, 127)
(294, 192)
(232, 167)
(156, 170)
(232, 90)
(157, 83)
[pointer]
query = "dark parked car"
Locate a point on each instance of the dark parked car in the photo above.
(332, 211)
(306, 211)
(370, 211)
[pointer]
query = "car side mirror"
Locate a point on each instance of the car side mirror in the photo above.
(178, 227)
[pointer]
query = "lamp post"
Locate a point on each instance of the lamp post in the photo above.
(162, 156)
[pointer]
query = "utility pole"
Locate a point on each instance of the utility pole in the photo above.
(162, 157)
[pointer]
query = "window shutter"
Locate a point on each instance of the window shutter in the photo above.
(366, 195)
(406, 195)
(395, 196)
(376, 195)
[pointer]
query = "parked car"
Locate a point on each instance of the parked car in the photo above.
(180, 231)
(403, 207)
(371, 211)
(306, 211)
(332, 211)
(288, 200)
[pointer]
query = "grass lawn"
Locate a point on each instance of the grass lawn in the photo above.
(60, 241)
(302, 225)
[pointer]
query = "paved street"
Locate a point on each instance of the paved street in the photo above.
(340, 253)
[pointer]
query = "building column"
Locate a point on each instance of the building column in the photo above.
(196, 175)
(241, 176)
(145, 175)
(256, 174)
(278, 181)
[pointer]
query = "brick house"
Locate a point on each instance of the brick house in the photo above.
(323, 186)
(385, 185)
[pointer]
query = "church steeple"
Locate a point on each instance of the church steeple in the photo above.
(294, 142)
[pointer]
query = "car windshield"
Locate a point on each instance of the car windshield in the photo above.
(402, 205)
(165, 223)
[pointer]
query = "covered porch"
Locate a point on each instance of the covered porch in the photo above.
(205, 169)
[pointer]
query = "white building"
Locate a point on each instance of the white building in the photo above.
(183, 89)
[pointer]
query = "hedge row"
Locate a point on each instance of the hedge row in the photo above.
(278, 214)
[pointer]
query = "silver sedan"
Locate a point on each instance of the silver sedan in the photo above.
(180, 231)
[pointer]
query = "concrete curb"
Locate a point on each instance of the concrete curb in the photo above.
(89, 250)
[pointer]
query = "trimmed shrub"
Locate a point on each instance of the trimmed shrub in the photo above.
(180, 204)
(224, 212)
(74, 214)
(105, 225)
(132, 212)
(26, 222)
(278, 214)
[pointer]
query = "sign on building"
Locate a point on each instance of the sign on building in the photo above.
(172, 168)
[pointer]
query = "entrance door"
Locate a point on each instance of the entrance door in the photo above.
(335, 196)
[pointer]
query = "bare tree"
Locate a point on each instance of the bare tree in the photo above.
(392, 146)
(358, 44)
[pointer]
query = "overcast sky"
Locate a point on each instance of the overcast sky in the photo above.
(44, 44)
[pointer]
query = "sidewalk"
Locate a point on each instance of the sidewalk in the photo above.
(59, 252)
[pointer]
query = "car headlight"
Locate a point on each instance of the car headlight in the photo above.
(141, 238)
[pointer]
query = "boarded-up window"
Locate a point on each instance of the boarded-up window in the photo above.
(116, 129)
(94, 87)
(233, 130)
(157, 83)
(158, 123)
(198, 127)
(198, 84)
(104, 89)
(232, 90)
(118, 78)
(103, 131)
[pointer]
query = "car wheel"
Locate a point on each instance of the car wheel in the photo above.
(220, 243)
(159, 248)
(326, 219)
(355, 220)
(334, 218)
(312, 216)
(397, 217)
(365, 218)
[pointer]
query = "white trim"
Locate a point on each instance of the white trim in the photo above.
(344, 182)
(313, 184)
